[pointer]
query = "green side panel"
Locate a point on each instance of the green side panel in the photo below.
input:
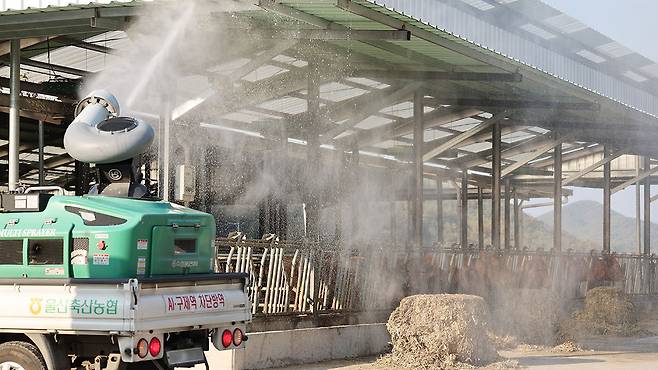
(140, 239)
(181, 250)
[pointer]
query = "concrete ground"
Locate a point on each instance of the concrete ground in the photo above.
(602, 353)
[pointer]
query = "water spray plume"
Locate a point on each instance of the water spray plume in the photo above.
(158, 59)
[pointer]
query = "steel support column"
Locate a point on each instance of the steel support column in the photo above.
(507, 213)
(638, 200)
(480, 218)
(495, 186)
(14, 112)
(647, 207)
(147, 172)
(557, 197)
(42, 173)
(164, 148)
(517, 222)
(439, 209)
(313, 155)
(606, 202)
(463, 224)
(282, 212)
(417, 220)
(81, 178)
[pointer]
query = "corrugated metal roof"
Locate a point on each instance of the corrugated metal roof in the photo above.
(73, 57)
(10, 7)
(544, 37)
(429, 48)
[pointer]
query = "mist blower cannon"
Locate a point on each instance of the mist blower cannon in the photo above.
(132, 275)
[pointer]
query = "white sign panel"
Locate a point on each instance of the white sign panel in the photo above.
(194, 302)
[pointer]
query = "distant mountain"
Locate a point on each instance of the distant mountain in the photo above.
(584, 219)
(535, 234)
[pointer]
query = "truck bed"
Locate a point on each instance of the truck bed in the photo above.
(123, 306)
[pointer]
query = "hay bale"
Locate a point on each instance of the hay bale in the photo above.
(567, 347)
(530, 315)
(607, 311)
(439, 331)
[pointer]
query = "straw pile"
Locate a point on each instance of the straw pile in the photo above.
(529, 315)
(567, 347)
(607, 311)
(440, 331)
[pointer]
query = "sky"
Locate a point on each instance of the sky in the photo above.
(633, 23)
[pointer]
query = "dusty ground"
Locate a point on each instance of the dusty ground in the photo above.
(633, 354)
(600, 353)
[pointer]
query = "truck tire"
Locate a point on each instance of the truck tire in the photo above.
(21, 356)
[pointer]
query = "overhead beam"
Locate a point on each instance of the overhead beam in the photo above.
(23, 147)
(54, 30)
(482, 157)
(636, 179)
(72, 15)
(333, 34)
(438, 117)
(247, 94)
(437, 75)
(570, 156)
(513, 104)
(25, 43)
(42, 107)
(58, 161)
(369, 109)
(456, 140)
(349, 108)
(261, 59)
(532, 155)
(274, 6)
(54, 67)
(109, 24)
(607, 158)
(39, 89)
(86, 45)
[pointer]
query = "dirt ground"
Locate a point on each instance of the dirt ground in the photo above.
(642, 354)
(605, 353)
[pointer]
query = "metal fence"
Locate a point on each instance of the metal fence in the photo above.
(305, 278)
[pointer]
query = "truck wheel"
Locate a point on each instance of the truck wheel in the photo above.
(20, 356)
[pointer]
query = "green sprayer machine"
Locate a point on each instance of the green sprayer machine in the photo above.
(113, 279)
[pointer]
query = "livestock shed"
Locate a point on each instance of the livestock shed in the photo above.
(326, 134)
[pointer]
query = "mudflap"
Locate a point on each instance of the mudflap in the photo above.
(188, 357)
(55, 358)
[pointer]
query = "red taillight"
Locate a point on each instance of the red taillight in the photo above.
(142, 348)
(227, 338)
(237, 337)
(155, 347)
